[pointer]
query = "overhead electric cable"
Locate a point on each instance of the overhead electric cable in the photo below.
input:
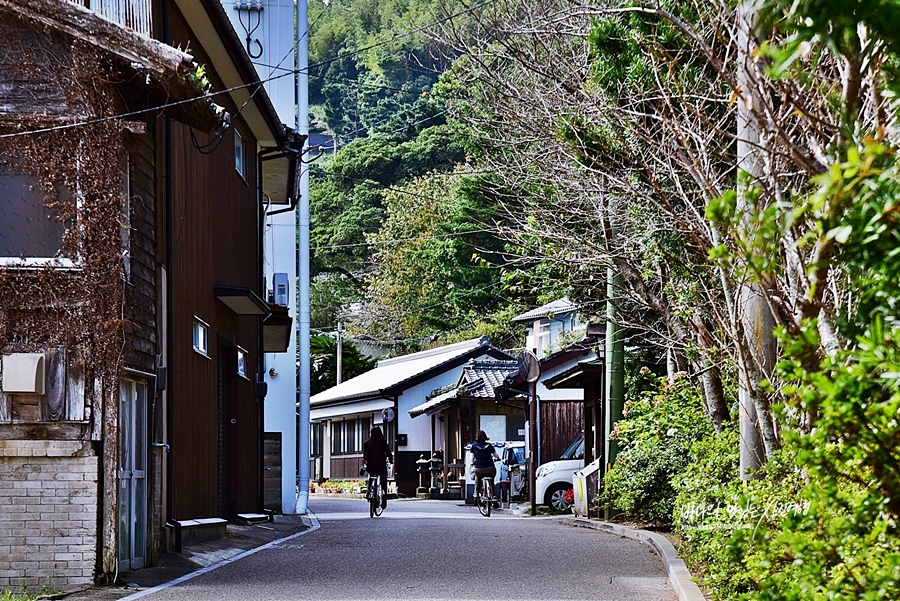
(242, 86)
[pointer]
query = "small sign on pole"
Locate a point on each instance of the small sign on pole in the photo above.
(530, 370)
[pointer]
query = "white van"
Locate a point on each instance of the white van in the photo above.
(554, 478)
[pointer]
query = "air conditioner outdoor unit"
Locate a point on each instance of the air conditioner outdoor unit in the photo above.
(281, 291)
(23, 373)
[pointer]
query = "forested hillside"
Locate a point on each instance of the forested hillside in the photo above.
(403, 250)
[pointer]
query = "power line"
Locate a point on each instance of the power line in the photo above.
(257, 83)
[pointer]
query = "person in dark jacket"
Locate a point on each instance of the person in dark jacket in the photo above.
(483, 457)
(376, 455)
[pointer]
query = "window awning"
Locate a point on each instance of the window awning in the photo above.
(242, 301)
(278, 179)
(278, 327)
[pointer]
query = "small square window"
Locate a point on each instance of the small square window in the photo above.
(239, 153)
(201, 337)
(242, 363)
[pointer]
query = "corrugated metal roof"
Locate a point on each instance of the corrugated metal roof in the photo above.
(390, 374)
(558, 307)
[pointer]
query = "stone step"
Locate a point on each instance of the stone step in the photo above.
(253, 518)
(191, 532)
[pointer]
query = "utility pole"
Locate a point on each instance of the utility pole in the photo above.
(615, 368)
(340, 350)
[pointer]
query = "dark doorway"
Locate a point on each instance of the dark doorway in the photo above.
(228, 430)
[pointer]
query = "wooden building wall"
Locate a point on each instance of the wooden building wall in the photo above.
(141, 272)
(561, 423)
(214, 240)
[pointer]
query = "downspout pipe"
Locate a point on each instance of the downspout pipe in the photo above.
(303, 270)
(260, 356)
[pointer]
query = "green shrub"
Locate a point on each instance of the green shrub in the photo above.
(655, 437)
(722, 520)
(706, 515)
(844, 543)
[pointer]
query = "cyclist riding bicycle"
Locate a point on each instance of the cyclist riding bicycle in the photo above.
(376, 455)
(483, 457)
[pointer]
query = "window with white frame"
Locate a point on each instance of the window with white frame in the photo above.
(239, 152)
(201, 336)
(316, 438)
(242, 363)
(543, 336)
(30, 233)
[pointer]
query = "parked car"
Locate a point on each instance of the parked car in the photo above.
(554, 478)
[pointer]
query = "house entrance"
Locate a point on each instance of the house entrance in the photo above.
(132, 475)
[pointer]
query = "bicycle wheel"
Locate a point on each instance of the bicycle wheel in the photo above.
(372, 495)
(484, 498)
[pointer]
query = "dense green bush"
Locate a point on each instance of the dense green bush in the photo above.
(654, 438)
(708, 495)
(841, 541)
(722, 520)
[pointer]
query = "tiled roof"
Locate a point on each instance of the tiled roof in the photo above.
(558, 307)
(478, 380)
(481, 376)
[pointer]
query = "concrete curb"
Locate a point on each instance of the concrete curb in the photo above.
(685, 587)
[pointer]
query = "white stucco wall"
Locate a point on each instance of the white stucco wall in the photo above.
(419, 429)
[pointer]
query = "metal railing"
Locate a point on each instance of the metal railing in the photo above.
(134, 14)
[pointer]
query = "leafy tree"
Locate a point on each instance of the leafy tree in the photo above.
(426, 283)
(597, 163)
(323, 354)
(369, 60)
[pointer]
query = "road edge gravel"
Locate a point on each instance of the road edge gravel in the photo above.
(679, 575)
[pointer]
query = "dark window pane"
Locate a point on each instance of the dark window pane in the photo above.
(27, 228)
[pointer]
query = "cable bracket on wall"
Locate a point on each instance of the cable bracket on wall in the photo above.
(251, 8)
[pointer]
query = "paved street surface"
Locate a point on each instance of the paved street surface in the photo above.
(423, 550)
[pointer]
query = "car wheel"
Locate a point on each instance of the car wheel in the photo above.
(556, 497)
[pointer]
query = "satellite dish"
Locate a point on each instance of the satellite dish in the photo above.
(529, 367)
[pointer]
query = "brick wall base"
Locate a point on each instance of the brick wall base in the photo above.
(48, 521)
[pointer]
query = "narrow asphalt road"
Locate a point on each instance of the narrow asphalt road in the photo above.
(424, 550)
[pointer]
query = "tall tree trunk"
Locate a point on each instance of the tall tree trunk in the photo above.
(714, 396)
(758, 437)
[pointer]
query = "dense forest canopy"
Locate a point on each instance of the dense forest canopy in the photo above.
(395, 195)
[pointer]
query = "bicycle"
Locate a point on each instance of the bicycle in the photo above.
(484, 498)
(373, 494)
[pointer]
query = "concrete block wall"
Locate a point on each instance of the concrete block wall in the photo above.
(48, 514)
